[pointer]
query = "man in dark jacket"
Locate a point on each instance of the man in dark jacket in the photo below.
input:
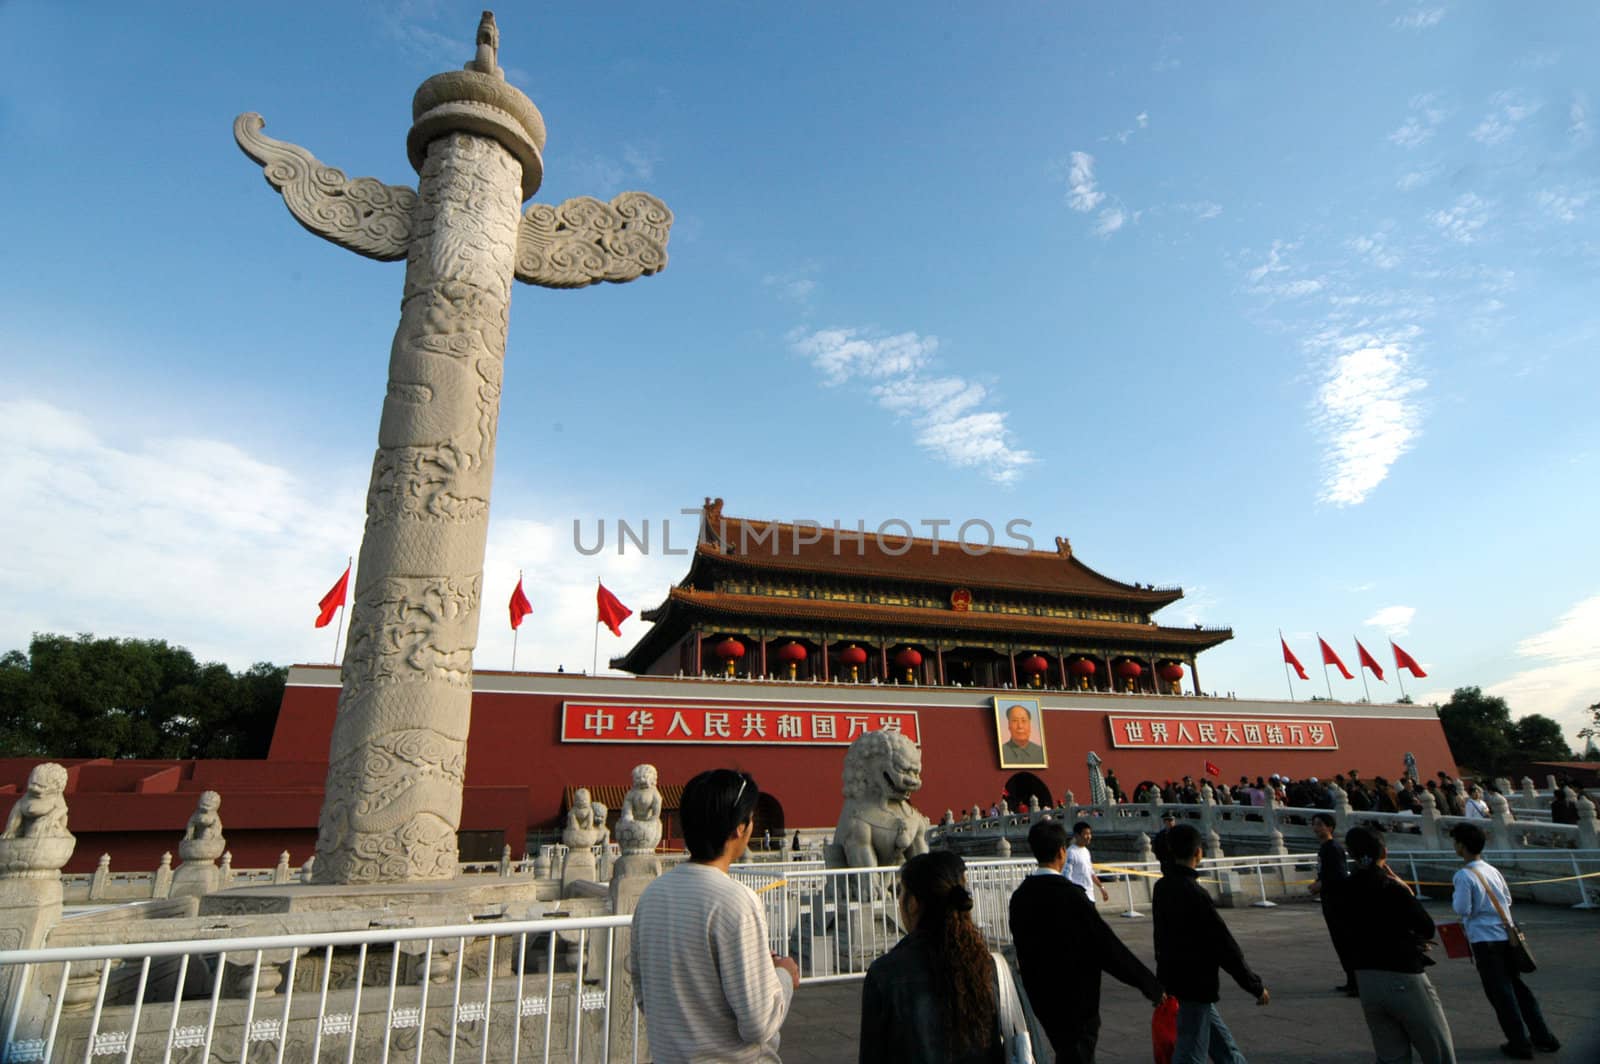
(1332, 875)
(1192, 942)
(1062, 947)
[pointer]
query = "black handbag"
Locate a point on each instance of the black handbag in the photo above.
(1516, 942)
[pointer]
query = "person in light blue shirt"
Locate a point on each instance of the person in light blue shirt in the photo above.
(1478, 886)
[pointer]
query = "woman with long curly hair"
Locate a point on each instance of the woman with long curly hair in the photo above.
(933, 996)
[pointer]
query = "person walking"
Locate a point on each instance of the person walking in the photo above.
(1192, 943)
(707, 985)
(1332, 875)
(1483, 901)
(934, 996)
(1388, 949)
(1080, 868)
(1063, 944)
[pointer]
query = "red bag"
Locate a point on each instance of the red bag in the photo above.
(1164, 1030)
(1454, 937)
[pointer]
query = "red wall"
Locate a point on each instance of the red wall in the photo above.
(517, 768)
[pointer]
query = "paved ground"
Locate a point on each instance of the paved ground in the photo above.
(1307, 1023)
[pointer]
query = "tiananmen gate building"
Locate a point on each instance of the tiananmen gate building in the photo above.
(780, 644)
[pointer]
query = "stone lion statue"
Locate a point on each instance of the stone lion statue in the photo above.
(41, 812)
(878, 825)
(36, 842)
(638, 829)
(586, 822)
(202, 836)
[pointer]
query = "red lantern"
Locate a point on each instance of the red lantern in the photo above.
(1129, 670)
(1171, 672)
(793, 653)
(1082, 667)
(1033, 664)
(730, 650)
(909, 658)
(853, 655)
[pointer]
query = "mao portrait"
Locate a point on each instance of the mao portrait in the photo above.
(1019, 728)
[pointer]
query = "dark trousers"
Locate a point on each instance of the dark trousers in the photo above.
(1335, 920)
(1072, 1037)
(1514, 1004)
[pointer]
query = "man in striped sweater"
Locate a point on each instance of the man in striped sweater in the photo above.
(702, 973)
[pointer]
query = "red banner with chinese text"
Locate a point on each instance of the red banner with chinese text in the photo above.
(627, 722)
(1222, 733)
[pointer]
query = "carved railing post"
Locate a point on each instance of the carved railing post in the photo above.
(1588, 828)
(1431, 837)
(1528, 790)
(161, 884)
(1501, 823)
(397, 758)
(101, 878)
(280, 872)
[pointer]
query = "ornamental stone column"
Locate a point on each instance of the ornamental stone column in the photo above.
(397, 760)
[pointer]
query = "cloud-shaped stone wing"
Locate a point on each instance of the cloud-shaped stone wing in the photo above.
(364, 215)
(584, 241)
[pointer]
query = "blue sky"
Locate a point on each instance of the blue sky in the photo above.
(1294, 307)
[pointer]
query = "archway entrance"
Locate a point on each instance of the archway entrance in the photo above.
(769, 823)
(1026, 787)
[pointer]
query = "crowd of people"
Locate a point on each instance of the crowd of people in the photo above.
(710, 989)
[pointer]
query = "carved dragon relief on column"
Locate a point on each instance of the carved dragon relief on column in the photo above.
(577, 243)
(397, 756)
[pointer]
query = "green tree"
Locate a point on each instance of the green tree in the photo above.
(133, 698)
(1538, 738)
(1478, 728)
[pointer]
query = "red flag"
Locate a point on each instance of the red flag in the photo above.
(1212, 770)
(520, 606)
(1402, 660)
(333, 599)
(1290, 659)
(1367, 661)
(612, 611)
(1330, 658)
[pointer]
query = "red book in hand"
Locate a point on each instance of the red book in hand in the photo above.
(1454, 937)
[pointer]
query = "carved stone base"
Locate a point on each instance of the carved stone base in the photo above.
(491, 895)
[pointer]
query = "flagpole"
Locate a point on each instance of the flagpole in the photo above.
(1324, 658)
(1363, 667)
(594, 661)
(1286, 678)
(338, 628)
(1398, 678)
(516, 631)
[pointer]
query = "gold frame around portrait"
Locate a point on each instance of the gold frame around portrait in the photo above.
(1002, 705)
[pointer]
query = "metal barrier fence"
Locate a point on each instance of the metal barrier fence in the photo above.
(475, 991)
(537, 989)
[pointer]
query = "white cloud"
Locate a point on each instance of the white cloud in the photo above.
(1578, 119)
(845, 353)
(1563, 685)
(1109, 221)
(1413, 180)
(1565, 203)
(1462, 222)
(1394, 620)
(1143, 118)
(946, 411)
(1422, 123)
(794, 287)
(1274, 262)
(1082, 195)
(1375, 249)
(207, 546)
(1368, 414)
(1420, 19)
(1203, 210)
(1140, 121)
(1507, 111)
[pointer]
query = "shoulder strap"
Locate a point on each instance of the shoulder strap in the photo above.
(1504, 919)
